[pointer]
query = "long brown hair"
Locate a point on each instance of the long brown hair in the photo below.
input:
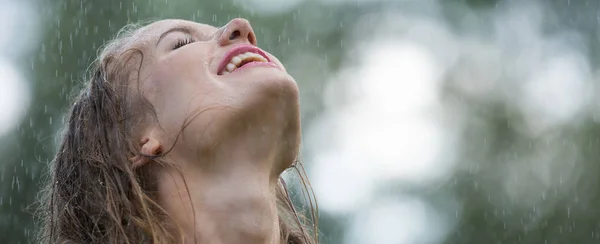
(94, 195)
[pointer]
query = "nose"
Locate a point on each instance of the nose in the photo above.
(238, 30)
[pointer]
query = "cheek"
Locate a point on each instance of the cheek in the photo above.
(178, 71)
(180, 93)
(166, 103)
(182, 70)
(167, 92)
(185, 70)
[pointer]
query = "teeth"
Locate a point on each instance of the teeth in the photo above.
(230, 67)
(238, 59)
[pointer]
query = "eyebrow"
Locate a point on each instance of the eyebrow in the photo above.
(185, 30)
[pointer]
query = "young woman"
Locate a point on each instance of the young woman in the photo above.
(180, 136)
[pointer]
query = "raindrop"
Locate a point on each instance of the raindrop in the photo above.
(560, 180)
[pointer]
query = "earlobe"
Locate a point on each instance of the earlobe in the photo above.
(150, 148)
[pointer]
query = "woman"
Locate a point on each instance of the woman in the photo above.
(180, 136)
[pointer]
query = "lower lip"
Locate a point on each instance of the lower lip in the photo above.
(256, 64)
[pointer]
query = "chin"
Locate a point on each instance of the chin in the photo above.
(265, 95)
(274, 96)
(270, 82)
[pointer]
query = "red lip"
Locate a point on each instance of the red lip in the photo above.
(238, 50)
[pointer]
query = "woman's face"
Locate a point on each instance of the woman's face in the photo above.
(217, 84)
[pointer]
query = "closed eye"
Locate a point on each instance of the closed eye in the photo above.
(183, 42)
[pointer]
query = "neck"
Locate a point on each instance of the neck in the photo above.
(225, 190)
(234, 206)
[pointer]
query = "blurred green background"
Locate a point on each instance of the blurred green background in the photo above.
(424, 121)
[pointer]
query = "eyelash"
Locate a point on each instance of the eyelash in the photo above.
(183, 42)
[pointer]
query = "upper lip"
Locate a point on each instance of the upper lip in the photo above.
(238, 50)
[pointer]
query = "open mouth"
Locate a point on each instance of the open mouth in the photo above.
(240, 57)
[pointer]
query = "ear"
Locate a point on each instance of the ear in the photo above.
(149, 147)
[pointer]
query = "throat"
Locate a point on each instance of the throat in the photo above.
(239, 214)
(227, 209)
(244, 218)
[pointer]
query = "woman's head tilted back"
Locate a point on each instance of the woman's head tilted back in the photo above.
(180, 136)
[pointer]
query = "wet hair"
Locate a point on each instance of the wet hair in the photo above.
(93, 194)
